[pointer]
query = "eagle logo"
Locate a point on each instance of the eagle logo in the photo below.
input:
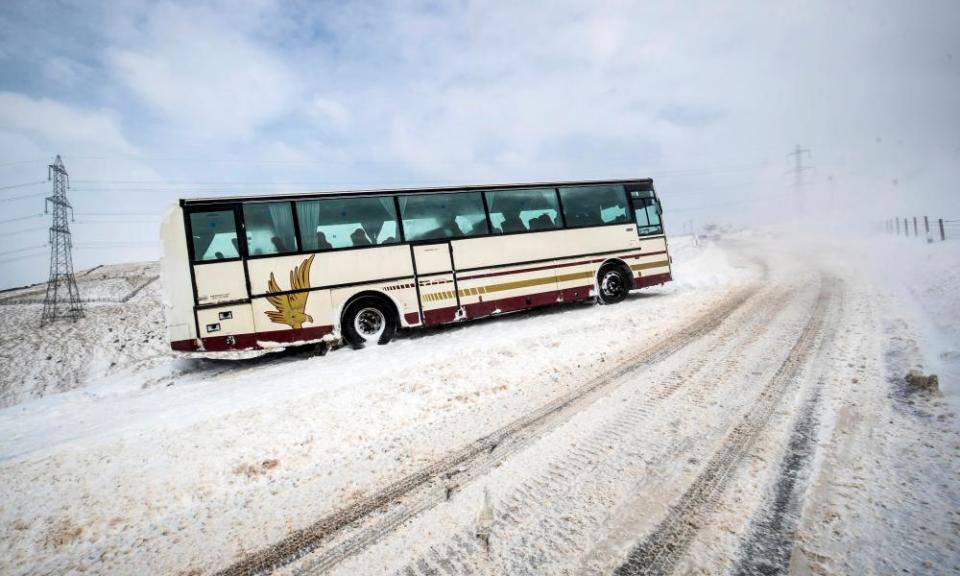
(290, 307)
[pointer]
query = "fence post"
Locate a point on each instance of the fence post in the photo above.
(916, 231)
(898, 225)
(926, 226)
(942, 235)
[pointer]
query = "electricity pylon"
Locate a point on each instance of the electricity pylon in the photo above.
(63, 296)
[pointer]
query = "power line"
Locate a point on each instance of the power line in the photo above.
(106, 243)
(172, 185)
(21, 197)
(25, 230)
(5, 252)
(84, 214)
(24, 185)
(21, 218)
(22, 257)
(124, 221)
(19, 162)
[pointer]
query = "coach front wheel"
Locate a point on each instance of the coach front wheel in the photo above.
(612, 284)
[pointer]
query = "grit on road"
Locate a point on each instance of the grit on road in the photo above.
(750, 418)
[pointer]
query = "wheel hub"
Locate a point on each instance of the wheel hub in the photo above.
(611, 284)
(369, 323)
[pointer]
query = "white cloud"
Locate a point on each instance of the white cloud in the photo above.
(329, 112)
(209, 78)
(46, 121)
(64, 71)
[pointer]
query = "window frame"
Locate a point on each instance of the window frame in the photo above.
(234, 207)
(639, 195)
(296, 229)
(486, 218)
(556, 194)
(396, 214)
(627, 204)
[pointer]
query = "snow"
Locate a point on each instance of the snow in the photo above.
(123, 458)
(122, 333)
(152, 447)
(923, 281)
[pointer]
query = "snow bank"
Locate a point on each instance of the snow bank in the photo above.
(702, 264)
(123, 330)
(924, 281)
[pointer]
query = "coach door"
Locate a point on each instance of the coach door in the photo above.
(216, 244)
(437, 283)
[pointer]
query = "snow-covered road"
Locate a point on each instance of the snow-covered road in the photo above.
(747, 418)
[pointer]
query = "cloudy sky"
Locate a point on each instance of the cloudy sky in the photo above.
(152, 101)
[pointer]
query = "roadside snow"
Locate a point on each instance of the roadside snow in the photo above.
(923, 281)
(155, 463)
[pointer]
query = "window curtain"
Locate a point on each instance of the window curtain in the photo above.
(282, 225)
(309, 215)
(492, 203)
(388, 215)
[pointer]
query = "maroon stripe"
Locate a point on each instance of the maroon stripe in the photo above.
(190, 345)
(251, 341)
(439, 316)
(646, 281)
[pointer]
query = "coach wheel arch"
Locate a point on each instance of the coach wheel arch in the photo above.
(369, 318)
(614, 281)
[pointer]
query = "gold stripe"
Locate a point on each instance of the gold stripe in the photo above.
(520, 284)
(517, 284)
(574, 276)
(647, 265)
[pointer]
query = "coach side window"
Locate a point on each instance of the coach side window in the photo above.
(347, 222)
(440, 216)
(269, 227)
(594, 205)
(523, 210)
(214, 235)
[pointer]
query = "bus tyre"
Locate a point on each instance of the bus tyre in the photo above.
(612, 284)
(368, 321)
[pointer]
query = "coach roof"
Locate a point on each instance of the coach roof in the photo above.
(642, 184)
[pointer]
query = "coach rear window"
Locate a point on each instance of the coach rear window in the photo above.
(214, 235)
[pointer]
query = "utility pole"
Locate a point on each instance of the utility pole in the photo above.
(63, 296)
(798, 170)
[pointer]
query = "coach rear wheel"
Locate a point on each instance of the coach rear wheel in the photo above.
(368, 321)
(613, 284)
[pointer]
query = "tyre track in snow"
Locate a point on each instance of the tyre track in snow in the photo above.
(766, 550)
(659, 552)
(392, 505)
(587, 472)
